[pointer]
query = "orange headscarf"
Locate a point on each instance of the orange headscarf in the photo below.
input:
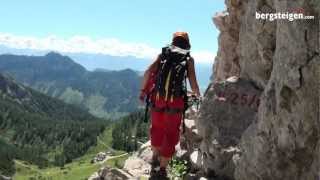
(181, 34)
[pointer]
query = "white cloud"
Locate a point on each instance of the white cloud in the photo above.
(84, 44)
(203, 56)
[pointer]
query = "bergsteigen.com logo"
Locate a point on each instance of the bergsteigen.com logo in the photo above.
(290, 15)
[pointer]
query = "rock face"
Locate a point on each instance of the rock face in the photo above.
(281, 141)
(8, 87)
(110, 174)
(227, 61)
(188, 148)
(284, 143)
(138, 165)
(228, 108)
(5, 177)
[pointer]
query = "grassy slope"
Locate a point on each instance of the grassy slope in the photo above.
(79, 169)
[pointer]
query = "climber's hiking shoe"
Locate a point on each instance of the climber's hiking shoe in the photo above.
(162, 174)
(155, 166)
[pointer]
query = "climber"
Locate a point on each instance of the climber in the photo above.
(165, 85)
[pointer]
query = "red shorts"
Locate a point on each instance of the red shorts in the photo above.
(165, 127)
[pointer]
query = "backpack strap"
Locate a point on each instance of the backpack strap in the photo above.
(147, 108)
(148, 100)
(164, 53)
(185, 97)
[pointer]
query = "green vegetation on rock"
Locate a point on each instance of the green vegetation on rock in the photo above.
(178, 168)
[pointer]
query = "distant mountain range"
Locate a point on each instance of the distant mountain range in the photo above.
(101, 61)
(102, 93)
(41, 130)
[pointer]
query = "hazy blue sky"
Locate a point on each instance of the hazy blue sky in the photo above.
(134, 21)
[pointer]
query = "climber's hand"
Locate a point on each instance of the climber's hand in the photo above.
(196, 95)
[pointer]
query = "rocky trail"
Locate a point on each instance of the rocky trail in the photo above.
(135, 167)
(138, 165)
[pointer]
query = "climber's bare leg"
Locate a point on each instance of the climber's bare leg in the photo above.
(155, 152)
(155, 161)
(164, 161)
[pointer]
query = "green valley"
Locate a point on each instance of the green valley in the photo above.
(112, 139)
(42, 130)
(54, 118)
(79, 169)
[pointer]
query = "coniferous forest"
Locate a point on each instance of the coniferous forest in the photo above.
(130, 132)
(42, 130)
(47, 131)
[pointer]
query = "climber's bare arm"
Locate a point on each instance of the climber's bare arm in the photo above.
(150, 69)
(192, 77)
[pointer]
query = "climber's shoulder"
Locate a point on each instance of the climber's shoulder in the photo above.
(190, 61)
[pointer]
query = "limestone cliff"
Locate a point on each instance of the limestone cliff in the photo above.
(281, 141)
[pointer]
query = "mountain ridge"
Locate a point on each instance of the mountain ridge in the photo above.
(59, 76)
(93, 61)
